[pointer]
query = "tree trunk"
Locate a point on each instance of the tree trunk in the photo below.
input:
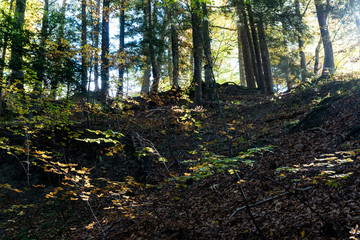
(260, 79)
(286, 56)
(4, 47)
(197, 49)
(151, 38)
(17, 51)
(96, 30)
(240, 57)
(2, 61)
(122, 50)
(329, 65)
(41, 56)
(317, 59)
(84, 76)
(269, 84)
(174, 50)
(243, 17)
(301, 42)
(145, 87)
(105, 55)
(209, 80)
(248, 64)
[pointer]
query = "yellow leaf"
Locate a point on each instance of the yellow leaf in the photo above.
(303, 233)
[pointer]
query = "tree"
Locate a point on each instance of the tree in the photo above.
(197, 49)
(246, 51)
(17, 51)
(209, 80)
(322, 10)
(300, 35)
(105, 54)
(151, 37)
(260, 74)
(84, 51)
(122, 49)
(174, 47)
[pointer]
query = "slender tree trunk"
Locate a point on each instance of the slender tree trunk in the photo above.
(240, 57)
(260, 79)
(145, 87)
(286, 56)
(96, 30)
(301, 42)
(105, 55)
(151, 37)
(122, 50)
(197, 49)
(41, 56)
(84, 53)
(174, 49)
(269, 84)
(317, 59)
(209, 80)
(2, 61)
(60, 47)
(243, 17)
(248, 63)
(322, 11)
(17, 51)
(4, 47)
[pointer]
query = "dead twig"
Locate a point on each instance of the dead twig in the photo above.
(269, 199)
(248, 208)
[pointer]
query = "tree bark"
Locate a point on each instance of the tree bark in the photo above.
(17, 51)
(317, 59)
(122, 50)
(197, 49)
(248, 64)
(322, 12)
(84, 77)
(209, 80)
(269, 84)
(174, 50)
(96, 30)
(260, 79)
(243, 17)
(151, 38)
(240, 57)
(105, 55)
(301, 42)
(2, 61)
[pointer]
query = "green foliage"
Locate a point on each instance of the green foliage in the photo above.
(210, 163)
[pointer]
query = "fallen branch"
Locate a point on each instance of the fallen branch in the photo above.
(248, 208)
(269, 199)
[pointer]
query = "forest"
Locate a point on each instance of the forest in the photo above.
(167, 119)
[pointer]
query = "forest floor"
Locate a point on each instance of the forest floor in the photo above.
(287, 167)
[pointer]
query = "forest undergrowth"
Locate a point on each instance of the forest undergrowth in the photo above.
(159, 168)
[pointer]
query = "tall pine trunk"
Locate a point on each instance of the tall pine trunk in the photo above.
(96, 31)
(122, 50)
(301, 42)
(151, 38)
(244, 34)
(174, 49)
(269, 84)
(260, 78)
(17, 51)
(242, 79)
(84, 53)
(105, 55)
(243, 17)
(197, 50)
(209, 80)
